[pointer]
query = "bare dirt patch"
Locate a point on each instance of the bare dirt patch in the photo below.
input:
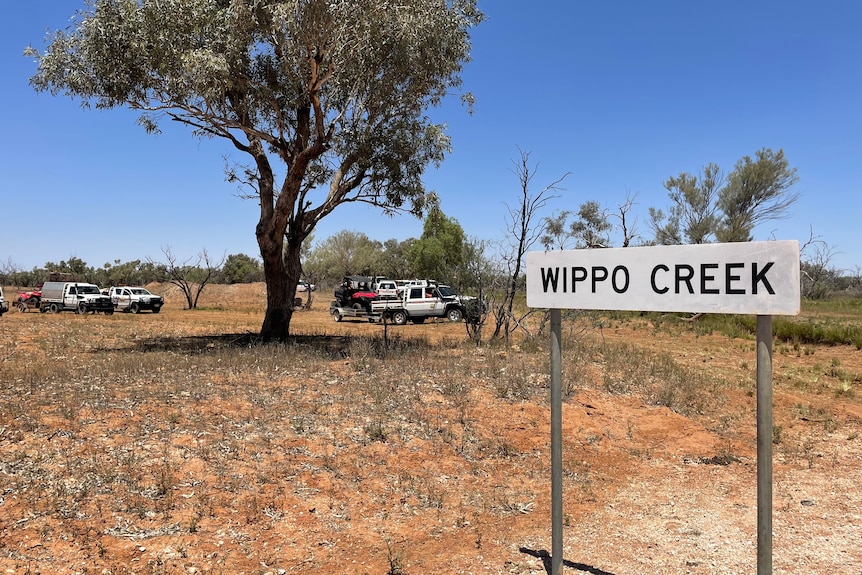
(175, 443)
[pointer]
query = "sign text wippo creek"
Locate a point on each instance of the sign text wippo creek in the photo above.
(755, 278)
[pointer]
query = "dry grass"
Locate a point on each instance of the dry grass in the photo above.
(177, 443)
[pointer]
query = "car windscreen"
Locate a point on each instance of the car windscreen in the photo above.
(89, 289)
(140, 291)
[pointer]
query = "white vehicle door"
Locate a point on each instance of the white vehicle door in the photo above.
(436, 300)
(416, 304)
(70, 297)
(125, 298)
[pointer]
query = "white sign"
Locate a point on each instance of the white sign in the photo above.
(760, 278)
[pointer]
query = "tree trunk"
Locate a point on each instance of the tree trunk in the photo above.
(281, 270)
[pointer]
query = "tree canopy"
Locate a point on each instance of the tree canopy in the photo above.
(326, 99)
(344, 253)
(438, 253)
(707, 206)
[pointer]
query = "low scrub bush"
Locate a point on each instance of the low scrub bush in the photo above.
(656, 377)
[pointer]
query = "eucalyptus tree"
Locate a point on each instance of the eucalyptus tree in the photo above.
(439, 252)
(591, 228)
(394, 259)
(694, 202)
(758, 190)
(345, 253)
(325, 99)
(708, 207)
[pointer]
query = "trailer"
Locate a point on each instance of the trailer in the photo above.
(339, 312)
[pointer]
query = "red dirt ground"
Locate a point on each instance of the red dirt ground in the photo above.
(646, 489)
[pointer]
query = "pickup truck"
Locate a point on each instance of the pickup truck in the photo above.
(74, 296)
(4, 307)
(134, 299)
(417, 303)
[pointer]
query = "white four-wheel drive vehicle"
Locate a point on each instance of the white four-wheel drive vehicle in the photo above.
(4, 307)
(74, 296)
(387, 289)
(418, 303)
(135, 299)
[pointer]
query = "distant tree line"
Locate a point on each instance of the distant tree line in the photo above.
(136, 272)
(704, 207)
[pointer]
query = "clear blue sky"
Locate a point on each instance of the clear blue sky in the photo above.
(622, 94)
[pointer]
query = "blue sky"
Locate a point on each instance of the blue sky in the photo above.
(621, 94)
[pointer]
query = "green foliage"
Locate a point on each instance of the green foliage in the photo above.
(756, 191)
(798, 331)
(694, 203)
(705, 207)
(134, 272)
(592, 226)
(851, 307)
(395, 260)
(823, 332)
(832, 322)
(345, 253)
(240, 268)
(439, 252)
(665, 227)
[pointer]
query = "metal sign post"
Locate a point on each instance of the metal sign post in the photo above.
(556, 443)
(764, 445)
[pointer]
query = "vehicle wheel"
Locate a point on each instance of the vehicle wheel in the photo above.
(157, 309)
(82, 308)
(54, 308)
(418, 320)
(109, 312)
(22, 307)
(135, 308)
(357, 306)
(454, 314)
(335, 315)
(399, 317)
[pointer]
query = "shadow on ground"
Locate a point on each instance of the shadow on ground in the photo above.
(546, 561)
(331, 346)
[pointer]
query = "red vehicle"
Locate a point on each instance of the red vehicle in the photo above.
(355, 292)
(29, 299)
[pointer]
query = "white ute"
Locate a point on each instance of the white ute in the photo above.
(135, 299)
(74, 296)
(417, 303)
